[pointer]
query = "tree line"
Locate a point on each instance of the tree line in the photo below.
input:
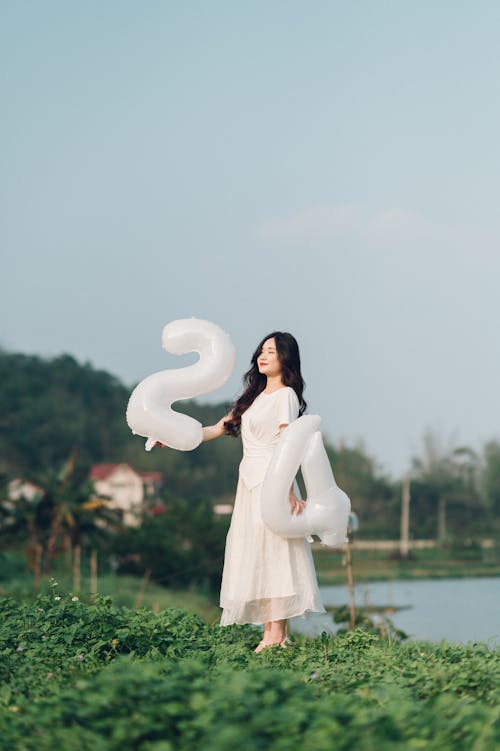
(52, 409)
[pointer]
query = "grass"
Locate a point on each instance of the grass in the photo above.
(126, 591)
(95, 677)
(368, 565)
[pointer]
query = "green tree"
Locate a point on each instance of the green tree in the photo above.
(446, 497)
(181, 547)
(49, 408)
(491, 481)
(62, 515)
(373, 496)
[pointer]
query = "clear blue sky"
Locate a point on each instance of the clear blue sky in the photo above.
(327, 168)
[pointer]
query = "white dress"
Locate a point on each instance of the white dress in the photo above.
(265, 577)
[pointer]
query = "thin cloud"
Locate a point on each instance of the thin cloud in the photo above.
(320, 224)
(315, 224)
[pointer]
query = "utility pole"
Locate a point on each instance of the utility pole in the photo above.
(350, 585)
(405, 518)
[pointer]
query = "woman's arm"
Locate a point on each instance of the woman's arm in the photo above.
(214, 431)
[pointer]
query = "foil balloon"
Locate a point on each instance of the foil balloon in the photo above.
(149, 410)
(326, 513)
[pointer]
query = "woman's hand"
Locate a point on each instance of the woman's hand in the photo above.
(296, 504)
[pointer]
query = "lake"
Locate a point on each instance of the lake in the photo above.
(458, 610)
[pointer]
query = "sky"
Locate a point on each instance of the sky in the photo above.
(326, 168)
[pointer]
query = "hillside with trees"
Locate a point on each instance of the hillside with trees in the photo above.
(53, 409)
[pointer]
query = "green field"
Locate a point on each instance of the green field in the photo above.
(78, 677)
(368, 565)
(126, 591)
(151, 670)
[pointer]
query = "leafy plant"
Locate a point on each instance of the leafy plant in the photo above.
(97, 677)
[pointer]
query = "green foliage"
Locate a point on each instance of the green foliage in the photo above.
(62, 514)
(375, 623)
(100, 678)
(183, 546)
(51, 408)
(492, 477)
(126, 591)
(449, 478)
(374, 498)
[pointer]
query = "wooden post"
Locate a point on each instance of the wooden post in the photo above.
(76, 567)
(405, 518)
(350, 584)
(442, 518)
(142, 589)
(38, 566)
(68, 551)
(93, 571)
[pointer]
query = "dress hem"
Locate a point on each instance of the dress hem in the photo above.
(301, 614)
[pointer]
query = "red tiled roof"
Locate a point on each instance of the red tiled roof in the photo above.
(102, 471)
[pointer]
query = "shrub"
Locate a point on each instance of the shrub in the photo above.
(99, 678)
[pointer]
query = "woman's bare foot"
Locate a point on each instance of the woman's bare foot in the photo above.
(263, 644)
(274, 635)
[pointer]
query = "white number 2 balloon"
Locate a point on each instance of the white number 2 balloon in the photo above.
(149, 411)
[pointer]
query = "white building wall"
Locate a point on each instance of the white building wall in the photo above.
(126, 492)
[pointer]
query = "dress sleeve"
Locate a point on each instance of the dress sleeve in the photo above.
(288, 406)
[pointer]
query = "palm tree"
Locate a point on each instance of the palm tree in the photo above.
(62, 515)
(26, 517)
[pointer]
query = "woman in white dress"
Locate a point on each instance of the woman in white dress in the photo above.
(266, 579)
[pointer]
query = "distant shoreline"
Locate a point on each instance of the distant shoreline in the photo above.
(379, 560)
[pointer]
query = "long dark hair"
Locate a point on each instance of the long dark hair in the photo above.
(254, 382)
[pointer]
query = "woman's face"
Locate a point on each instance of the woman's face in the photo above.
(268, 362)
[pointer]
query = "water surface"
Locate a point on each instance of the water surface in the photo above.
(458, 610)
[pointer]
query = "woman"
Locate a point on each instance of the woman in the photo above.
(266, 578)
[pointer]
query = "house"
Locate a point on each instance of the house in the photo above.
(19, 488)
(129, 492)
